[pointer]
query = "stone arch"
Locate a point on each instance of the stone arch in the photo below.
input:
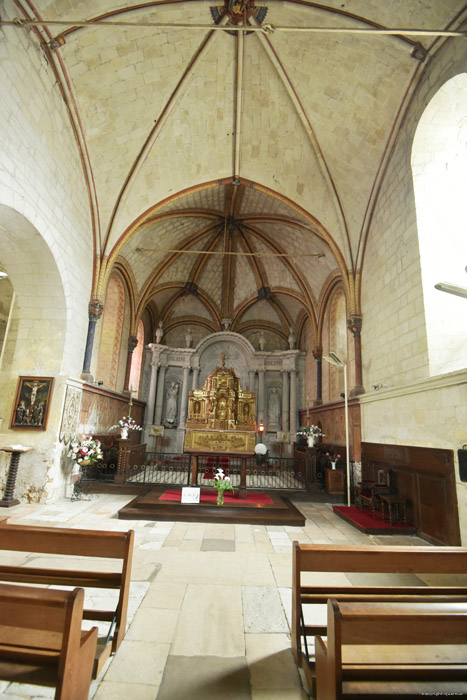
(237, 349)
(334, 338)
(34, 343)
(111, 335)
(39, 314)
(439, 170)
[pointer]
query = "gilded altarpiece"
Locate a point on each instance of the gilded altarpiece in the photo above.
(221, 416)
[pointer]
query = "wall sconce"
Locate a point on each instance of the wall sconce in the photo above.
(261, 431)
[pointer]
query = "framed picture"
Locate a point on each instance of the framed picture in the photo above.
(32, 401)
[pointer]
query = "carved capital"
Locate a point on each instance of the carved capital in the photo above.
(354, 324)
(95, 309)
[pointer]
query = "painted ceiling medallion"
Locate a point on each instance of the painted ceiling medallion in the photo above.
(237, 11)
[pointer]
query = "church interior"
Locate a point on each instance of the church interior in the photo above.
(231, 222)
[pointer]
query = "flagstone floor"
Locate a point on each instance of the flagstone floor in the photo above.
(210, 604)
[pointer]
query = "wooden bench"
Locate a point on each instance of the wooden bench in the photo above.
(80, 546)
(307, 599)
(41, 640)
(392, 649)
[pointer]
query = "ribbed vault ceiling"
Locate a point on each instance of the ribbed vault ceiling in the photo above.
(233, 175)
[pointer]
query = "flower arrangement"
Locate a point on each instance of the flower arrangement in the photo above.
(333, 456)
(128, 423)
(222, 483)
(85, 451)
(261, 452)
(310, 431)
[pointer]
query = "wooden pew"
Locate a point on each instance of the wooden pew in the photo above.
(392, 649)
(80, 547)
(365, 559)
(41, 640)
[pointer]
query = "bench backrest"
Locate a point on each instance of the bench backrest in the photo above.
(27, 614)
(372, 559)
(66, 541)
(397, 623)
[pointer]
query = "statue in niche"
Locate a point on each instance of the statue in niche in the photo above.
(274, 407)
(159, 332)
(188, 338)
(292, 339)
(262, 340)
(171, 408)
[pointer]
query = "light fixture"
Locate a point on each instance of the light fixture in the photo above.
(261, 430)
(333, 359)
(452, 289)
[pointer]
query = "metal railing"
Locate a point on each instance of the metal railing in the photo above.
(167, 468)
(175, 469)
(274, 473)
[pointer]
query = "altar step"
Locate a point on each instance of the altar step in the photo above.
(275, 510)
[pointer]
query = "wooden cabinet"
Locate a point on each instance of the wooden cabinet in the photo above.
(334, 481)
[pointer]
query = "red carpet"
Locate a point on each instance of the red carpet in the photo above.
(364, 521)
(211, 497)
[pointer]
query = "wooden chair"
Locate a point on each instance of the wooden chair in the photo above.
(41, 640)
(369, 493)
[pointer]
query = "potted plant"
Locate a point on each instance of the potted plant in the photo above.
(221, 482)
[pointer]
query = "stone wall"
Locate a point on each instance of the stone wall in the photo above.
(408, 408)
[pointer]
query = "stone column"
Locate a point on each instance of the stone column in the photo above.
(318, 355)
(355, 326)
(132, 343)
(194, 384)
(293, 403)
(285, 401)
(251, 379)
(261, 396)
(184, 398)
(150, 402)
(160, 395)
(95, 310)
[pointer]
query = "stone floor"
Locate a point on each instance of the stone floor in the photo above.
(209, 615)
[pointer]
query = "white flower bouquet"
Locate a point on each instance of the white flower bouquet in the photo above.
(85, 451)
(128, 423)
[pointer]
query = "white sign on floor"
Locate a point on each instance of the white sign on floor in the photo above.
(191, 494)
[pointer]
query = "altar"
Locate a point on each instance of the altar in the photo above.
(221, 416)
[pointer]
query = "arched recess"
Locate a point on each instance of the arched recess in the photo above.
(110, 346)
(439, 168)
(35, 337)
(334, 338)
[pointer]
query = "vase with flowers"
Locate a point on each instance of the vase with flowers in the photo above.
(221, 482)
(84, 452)
(311, 433)
(333, 457)
(126, 424)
